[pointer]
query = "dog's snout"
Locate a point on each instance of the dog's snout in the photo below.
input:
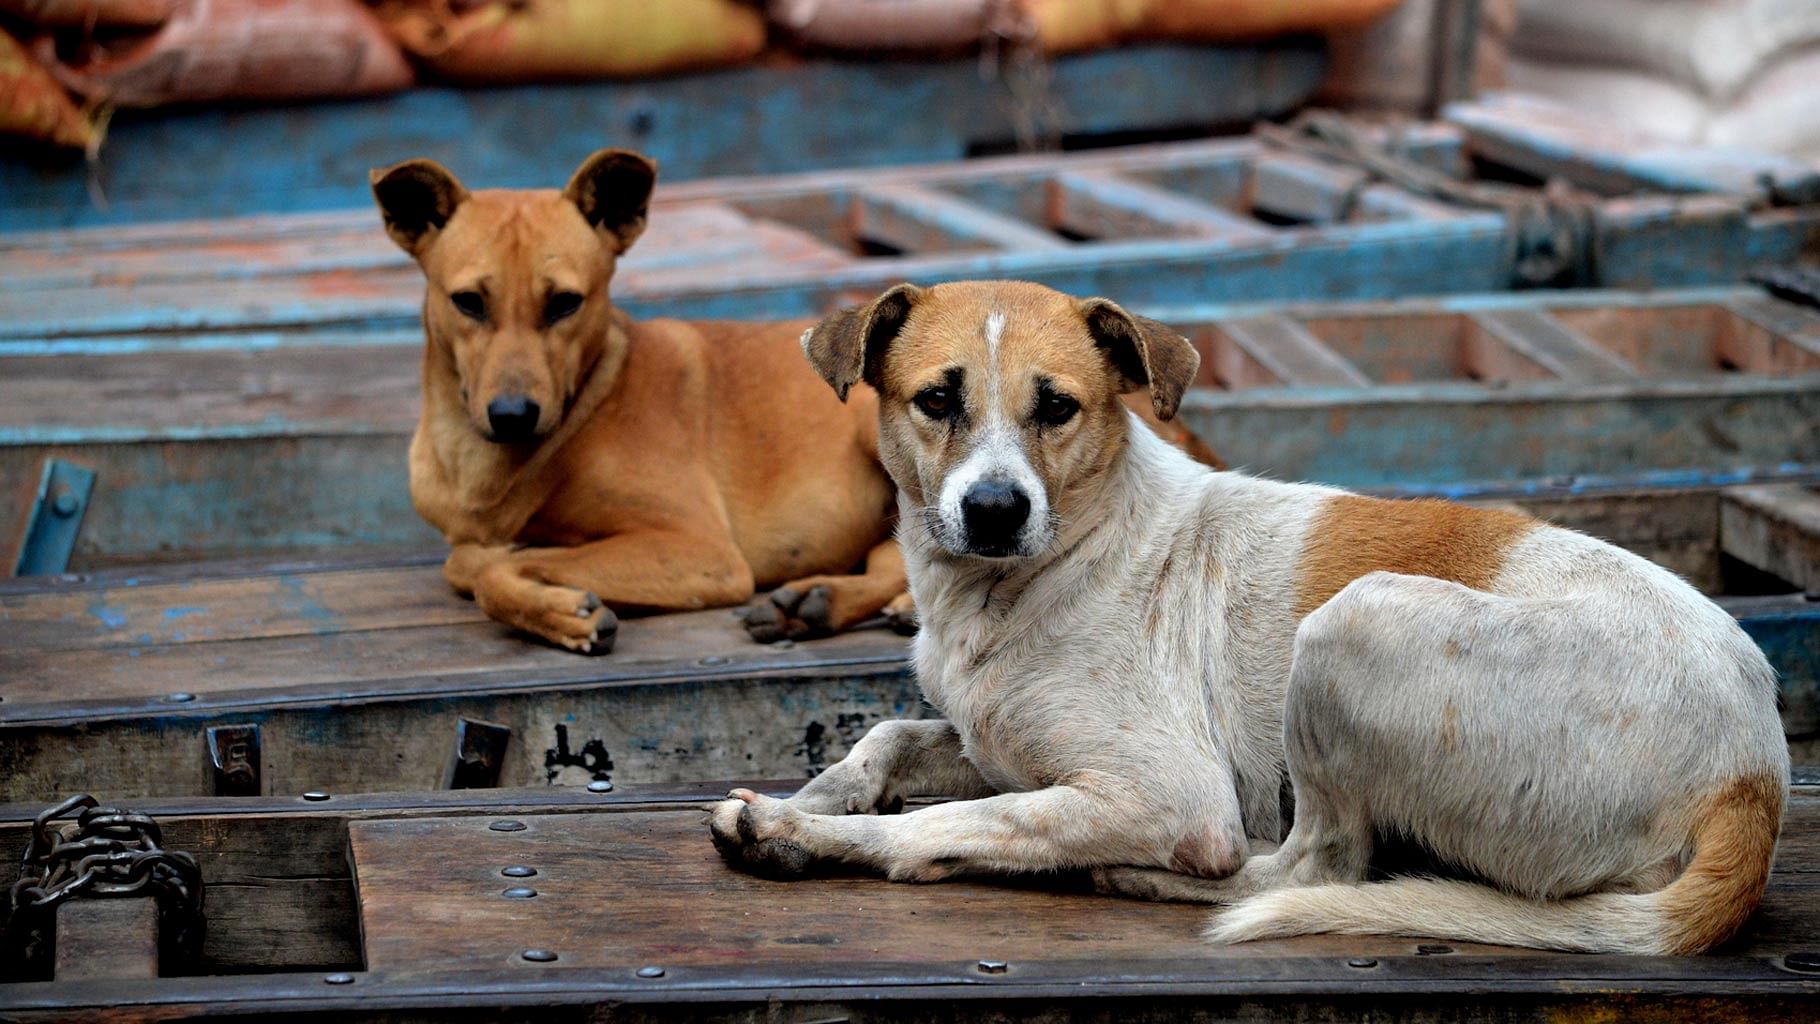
(513, 418)
(994, 512)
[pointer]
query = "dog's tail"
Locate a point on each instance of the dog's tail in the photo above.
(1733, 843)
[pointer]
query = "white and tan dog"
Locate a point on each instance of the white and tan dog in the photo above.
(1134, 652)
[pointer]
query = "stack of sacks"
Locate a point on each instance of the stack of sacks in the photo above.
(149, 53)
(532, 40)
(1058, 26)
(1717, 72)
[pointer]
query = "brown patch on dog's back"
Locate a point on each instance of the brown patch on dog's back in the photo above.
(1352, 535)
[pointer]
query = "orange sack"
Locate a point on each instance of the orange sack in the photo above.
(34, 105)
(85, 13)
(239, 49)
(1063, 26)
(531, 40)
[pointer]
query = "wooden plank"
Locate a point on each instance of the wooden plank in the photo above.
(107, 938)
(665, 901)
(192, 163)
(1105, 205)
(1775, 529)
(1291, 354)
(914, 219)
(1552, 345)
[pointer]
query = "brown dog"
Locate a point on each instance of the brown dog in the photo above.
(579, 463)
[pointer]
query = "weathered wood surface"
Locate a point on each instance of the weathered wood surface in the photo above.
(630, 882)
(358, 677)
(266, 447)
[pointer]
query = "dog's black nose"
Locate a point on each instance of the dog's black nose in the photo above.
(513, 418)
(994, 512)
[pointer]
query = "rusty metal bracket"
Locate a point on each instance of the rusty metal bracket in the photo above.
(55, 519)
(234, 759)
(480, 755)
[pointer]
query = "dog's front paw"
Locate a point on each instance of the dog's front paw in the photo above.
(900, 615)
(791, 613)
(565, 616)
(757, 834)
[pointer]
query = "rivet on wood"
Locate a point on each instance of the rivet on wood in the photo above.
(993, 966)
(179, 697)
(650, 972)
(1361, 961)
(539, 956)
(519, 892)
(316, 796)
(507, 826)
(518, 871)
(339, 979)
(600, 786)
(1433, 950)
(714, 659)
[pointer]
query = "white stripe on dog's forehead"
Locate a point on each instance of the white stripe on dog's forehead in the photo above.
(995, 328)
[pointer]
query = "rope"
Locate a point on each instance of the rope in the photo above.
(1552, 233)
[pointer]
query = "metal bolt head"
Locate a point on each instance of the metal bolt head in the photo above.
(783, 645)
(993, 966)
(1427, 949)
(1806, 961)
(600, 786)
(539, 956)
(507, 826)
(66, 504)
(180, 697)
(339, 978)
(519, 892)
(315, 796)
(714, 659)
(518, 871)
(1361, 961)
(650, 972)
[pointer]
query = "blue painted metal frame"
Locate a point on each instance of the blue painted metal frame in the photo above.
(764, 119)
(55, 518)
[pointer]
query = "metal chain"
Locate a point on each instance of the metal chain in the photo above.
(1553, 231)
(108, 853)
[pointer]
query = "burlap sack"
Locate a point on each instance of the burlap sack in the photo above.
(1067, 25)
(99, 13)
(32, 104)
(239, 49)
(897, 25)
(531, 40)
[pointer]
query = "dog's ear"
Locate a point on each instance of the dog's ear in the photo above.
(1146, 353)
(612, 189)
(849, 346)
(417, 198)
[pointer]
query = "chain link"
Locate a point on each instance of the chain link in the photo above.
(106, 853)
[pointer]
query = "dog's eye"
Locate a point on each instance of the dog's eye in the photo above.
(936, 403)
(560, 306)
(1054, 409)
(472, 305)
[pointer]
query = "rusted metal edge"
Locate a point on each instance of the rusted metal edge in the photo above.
(1302, 978)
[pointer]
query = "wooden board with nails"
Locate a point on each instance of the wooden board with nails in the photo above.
(628, 912)
(367, 677)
